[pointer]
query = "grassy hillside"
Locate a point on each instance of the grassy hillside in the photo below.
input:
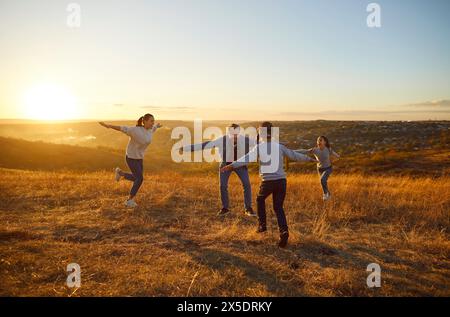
(173, 244)
(364, 138)
(21, 154)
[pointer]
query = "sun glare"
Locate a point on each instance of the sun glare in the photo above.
(49, 102)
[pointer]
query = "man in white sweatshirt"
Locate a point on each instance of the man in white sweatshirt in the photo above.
(270, 156)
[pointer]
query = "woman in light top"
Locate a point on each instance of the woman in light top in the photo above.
(140, 138)
(323, 154)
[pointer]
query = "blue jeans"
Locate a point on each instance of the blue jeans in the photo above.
(276, 188)
(136, 176)
(242, 173)
(324, 173)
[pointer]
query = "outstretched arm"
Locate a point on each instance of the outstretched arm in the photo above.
(201, 146)
(195, 147)
(110, 126)
(251, 156)
(295, 156)
(156, 127)
(335, 154)
(302, 151)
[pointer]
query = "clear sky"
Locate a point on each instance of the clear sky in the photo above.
(227, 59)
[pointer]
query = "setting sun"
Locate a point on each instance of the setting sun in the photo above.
(49, 102)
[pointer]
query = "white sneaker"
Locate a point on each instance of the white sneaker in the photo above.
(117, 175)
(326, 196)
(130, 203)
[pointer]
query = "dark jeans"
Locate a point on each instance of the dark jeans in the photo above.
(136, 176)
(324, 173)
(278, 190)
(242, 173)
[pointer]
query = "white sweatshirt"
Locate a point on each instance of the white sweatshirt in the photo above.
(140, 139)
(270, 156)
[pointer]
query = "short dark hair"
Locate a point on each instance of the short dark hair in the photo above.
(268, 125)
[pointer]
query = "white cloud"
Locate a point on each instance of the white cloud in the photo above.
(432, 103)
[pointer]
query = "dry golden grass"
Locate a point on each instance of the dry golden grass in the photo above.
(174, 245)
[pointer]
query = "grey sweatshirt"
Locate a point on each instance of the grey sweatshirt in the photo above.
(270, 156)
(323, 156)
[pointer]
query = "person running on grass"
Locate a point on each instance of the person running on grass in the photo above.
(323, 154)
(270, 156)
(230, 146)
(140, 138)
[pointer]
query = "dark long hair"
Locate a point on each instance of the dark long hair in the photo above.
(145, 117)
(327, 143)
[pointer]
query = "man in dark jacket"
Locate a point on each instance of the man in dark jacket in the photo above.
(231, 146)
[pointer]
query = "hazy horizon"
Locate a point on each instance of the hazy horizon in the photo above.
(40, 121)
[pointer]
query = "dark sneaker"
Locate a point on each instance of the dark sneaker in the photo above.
(223, 211)
(261, 229)
(284, 236)
(250, 212)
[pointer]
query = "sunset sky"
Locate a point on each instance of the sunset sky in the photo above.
(229, 59)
